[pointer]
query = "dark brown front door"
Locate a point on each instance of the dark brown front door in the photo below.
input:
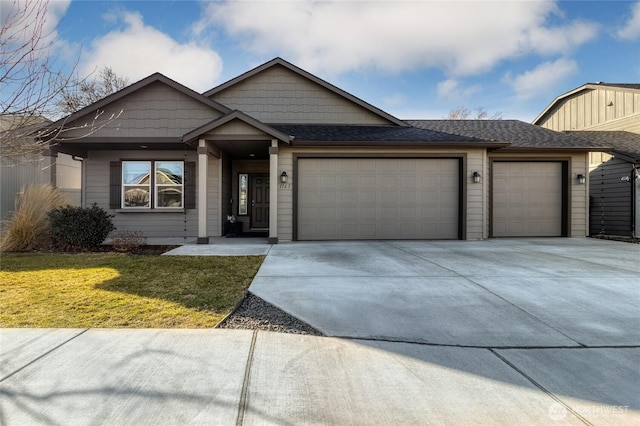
(259, 201)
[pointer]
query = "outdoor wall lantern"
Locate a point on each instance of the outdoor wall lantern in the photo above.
(581, 178)
(283, 177)
(476, 177)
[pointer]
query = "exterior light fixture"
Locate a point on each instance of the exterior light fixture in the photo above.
(476, 177)
(581, 178)
(283, 177)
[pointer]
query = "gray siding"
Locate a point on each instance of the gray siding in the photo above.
(278, 95)
(151, 224)
(213, 196)
(228, 200)
(154, 111)
(636, 200)
(611, 198)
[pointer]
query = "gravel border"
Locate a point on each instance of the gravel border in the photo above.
(253, 313)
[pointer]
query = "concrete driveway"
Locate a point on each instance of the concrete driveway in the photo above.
(570, 292)
(533, 332)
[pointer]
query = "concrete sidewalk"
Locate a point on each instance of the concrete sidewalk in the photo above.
(227, 377)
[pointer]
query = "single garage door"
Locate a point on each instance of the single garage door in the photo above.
(381, 198)
(527, 199)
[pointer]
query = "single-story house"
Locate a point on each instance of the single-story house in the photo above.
(606, 114)
(293, 156)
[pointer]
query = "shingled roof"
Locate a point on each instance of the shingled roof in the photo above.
(624, 143)
(376, 135)
(519, 134)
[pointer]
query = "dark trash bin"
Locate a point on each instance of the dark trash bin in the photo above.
(232, 229)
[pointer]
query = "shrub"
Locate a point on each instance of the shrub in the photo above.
(79, 227)
(127, 241)
(28, 226)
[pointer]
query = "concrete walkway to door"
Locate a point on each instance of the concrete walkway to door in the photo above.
(557, 292)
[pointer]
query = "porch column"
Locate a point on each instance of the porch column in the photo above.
(273, 192)
(203, 237)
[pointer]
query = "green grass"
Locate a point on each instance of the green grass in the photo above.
(117, 290)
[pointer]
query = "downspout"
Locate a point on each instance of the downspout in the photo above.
(83, 183)
(635, 201)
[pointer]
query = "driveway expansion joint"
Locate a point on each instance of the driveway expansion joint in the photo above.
(33, 361)
(523, 310)
(490, 347)
(244, 394)
(539, 386)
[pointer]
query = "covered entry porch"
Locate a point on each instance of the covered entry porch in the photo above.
(247, 177)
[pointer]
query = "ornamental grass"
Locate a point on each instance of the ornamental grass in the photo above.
(28, 226)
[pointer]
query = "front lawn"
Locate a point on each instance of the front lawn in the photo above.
(118, 290)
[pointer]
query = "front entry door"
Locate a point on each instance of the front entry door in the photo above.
(259, 201)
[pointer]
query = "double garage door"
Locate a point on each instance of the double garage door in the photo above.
(378, 198)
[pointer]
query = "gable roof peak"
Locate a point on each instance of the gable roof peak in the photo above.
(278, 61)
(134, 87)
(587, 86)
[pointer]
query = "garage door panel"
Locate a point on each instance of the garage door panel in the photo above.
(378, 199)
(527, 199)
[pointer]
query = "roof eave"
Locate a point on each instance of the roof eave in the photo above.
(408, 143)
(556, 149)
(625, 156)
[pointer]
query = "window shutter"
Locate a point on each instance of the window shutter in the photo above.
(115, 184)
(190, 185)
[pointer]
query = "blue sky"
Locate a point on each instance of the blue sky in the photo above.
(414, 59)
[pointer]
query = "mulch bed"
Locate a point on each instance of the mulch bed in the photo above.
(143, 249)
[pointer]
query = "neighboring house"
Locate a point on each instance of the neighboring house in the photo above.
(607, 114)
(293, 156)
(16, 172)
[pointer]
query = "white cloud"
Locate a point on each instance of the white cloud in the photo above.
(334, 37)
(544, 78)
(452, 90)
(561, 40)
(140, 50)
(631, 30)
(447, 87)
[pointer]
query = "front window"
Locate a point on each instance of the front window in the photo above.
(169, 184)
(136, 184)
(243, 193)
(166, 184)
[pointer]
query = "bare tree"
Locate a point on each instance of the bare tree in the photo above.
(464, 113)
(84, 92)
(29, 77)
(32, 81)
